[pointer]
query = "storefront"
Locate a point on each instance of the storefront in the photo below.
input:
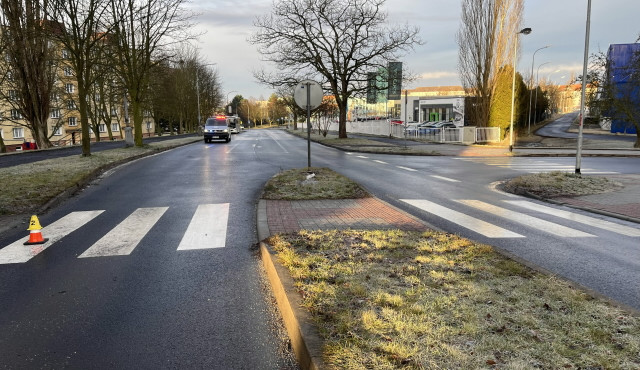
(422, 109)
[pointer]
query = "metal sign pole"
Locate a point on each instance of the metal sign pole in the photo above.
(308, 124)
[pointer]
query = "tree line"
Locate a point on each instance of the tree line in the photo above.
(116, 51)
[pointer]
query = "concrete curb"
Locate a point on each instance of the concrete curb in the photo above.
(305, 340)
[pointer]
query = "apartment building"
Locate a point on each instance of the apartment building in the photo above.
(64, 124)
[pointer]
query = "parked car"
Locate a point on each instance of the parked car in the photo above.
(435, 127)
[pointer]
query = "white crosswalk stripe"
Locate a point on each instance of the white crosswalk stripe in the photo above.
(17, 252)
(524, 219)
(123, 239)
(531, 166)
(471, 223)
(208, 227)
(587, 220)
(545, 225)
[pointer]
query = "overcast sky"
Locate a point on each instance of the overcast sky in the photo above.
(559, 23)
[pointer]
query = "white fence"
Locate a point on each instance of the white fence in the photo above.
(439, 135)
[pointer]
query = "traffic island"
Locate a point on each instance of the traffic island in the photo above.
(390, 298)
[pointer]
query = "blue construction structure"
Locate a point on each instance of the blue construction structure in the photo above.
(620, 56)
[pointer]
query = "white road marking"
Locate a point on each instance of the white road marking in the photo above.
(407, 169)
(379, 161)
(361, 156)
(123, 239)
(17, 252)
(587, 220)
(208, 228)
(471, 223)
(527, 220)
(444, 178)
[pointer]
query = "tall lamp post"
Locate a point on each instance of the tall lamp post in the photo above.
(584, 88)
(531, 86)
(535, 101)
(524, 31)
(228, 103)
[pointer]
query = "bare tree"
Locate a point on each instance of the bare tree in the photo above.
(31, 63)
(487, 36)
(286, 95)
(325, 114)
(144, 30)
(339, 41)
(83, 36)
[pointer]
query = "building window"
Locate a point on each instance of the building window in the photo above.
(114, 111)
(18, 133)
(148, 125)
(65, 54)
(72, 121)
(115, 127)
(55, 113)
(102, 127)
(57, 131)
(71, 105)
(54, 97)
(68, 71)
(15, 114)
(13, 94)
(69, 88)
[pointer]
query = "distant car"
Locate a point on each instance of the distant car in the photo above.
(435, 127)
(411, 128)
(217, 128)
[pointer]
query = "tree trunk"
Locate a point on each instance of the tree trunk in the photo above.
(342, 123)
(84, 120)
(136, 109)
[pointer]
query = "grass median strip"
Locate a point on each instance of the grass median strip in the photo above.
(390, 299)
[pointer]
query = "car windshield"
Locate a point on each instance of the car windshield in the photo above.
(216, 122)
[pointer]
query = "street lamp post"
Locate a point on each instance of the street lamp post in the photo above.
(524, 31)
(584, 88)
(531, 86)
(227, 100)
(535, 101)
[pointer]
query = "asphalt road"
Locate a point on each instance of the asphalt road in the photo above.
(559, 127)
(157, 306)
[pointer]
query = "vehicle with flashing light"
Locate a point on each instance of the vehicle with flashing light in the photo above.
(217, 128)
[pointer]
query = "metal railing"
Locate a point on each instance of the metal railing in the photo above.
(438, 135)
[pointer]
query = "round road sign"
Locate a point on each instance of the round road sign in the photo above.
(315, 96)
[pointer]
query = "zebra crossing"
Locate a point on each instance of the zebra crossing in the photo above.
(207, 229)
(545, 224)
(530, 165)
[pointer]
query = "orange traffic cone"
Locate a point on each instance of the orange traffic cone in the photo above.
(35, 236)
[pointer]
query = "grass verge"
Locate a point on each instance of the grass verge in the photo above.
(394, 299)
(44, 180)
(312, 183)
(557, 184)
